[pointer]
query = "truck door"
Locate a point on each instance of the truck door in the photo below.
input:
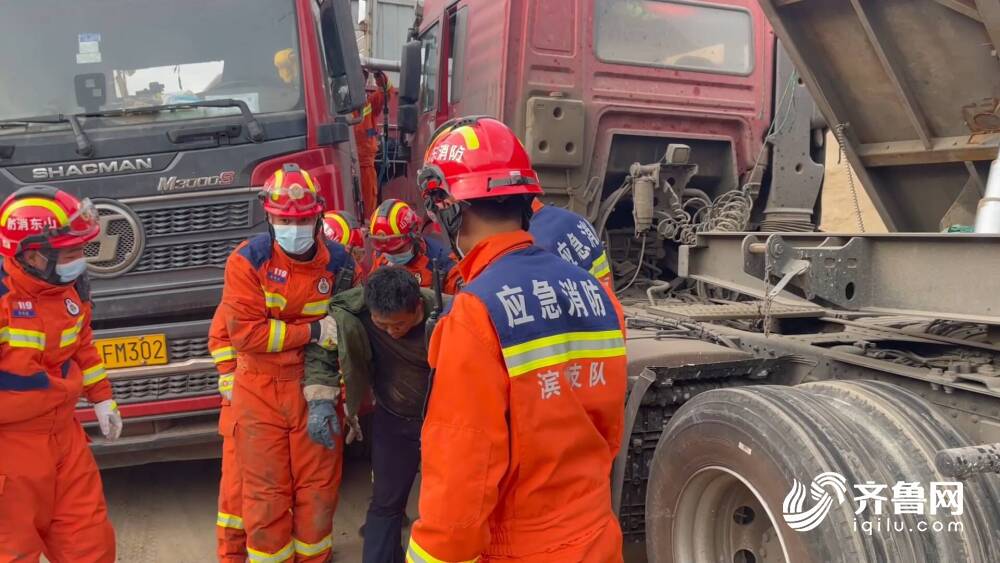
(442, 76)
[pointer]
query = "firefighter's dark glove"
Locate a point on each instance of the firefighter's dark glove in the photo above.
(324, 425)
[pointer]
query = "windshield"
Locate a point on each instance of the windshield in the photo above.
(670, 34)
(113, 54)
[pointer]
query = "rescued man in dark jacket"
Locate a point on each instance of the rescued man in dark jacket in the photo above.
(382, 344)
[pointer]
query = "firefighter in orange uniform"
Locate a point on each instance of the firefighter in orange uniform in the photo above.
(231, 539)
(516, 460)
(288, 442)
(395, 235)
(572, 237)
(342, 228)
(366, 137)
(51, 498)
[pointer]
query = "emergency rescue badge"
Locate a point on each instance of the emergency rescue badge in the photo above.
(323, 286)
(24, 310)
(277, 275)
(71, 307)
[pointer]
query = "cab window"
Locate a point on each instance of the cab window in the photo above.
(673, 34)
(430, 57)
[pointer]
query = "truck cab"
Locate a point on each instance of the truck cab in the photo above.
(169, 116)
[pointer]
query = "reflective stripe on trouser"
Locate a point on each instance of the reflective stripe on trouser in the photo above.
(231, 539)
(417, 554)
(290, 483)
(52, 478)
(283, 554)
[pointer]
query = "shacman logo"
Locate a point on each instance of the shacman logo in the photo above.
(915, 507)
(172, 183)
(805, 520)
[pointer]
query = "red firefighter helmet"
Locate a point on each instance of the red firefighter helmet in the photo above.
(45, 218)
(291, 192)
(343, 228)
(393, 225)
(477, 157)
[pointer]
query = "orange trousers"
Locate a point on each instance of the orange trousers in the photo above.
(601, 546)
(229, 533)
(290, 484)
(51, 497)
(369, 188)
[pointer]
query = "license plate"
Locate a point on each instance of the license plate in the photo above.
(133, 351)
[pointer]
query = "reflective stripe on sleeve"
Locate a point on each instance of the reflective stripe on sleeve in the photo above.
(276, 335)
(94, 374)
(70, 335)
(316, 307)
(313, 549)
(600, 267)
(560, 348)
(366, 111)
(224, 520)
(22, 338)
(417, 554)
(275, 300)
(283, 554)
(225, 354)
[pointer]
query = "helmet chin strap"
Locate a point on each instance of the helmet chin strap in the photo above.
(48, 275)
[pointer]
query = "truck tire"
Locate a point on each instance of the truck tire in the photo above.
(729, 462)
(910, 434)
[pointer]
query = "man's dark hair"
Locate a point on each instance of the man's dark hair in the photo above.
(390, 290)
(510, 208)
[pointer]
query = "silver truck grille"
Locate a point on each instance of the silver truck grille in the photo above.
(187, 255)
(162, 387)
(193, 219)
(187, 348)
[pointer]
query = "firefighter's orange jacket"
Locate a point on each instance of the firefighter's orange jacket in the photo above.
(573, 238)
(420, 266)
(47, 356)
(268, 314)
(366, 132)
(525, 413)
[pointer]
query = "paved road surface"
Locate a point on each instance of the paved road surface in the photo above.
(166, 511)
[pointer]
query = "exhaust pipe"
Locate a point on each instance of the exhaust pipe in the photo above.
(988, 213)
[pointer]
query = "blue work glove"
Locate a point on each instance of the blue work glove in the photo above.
(324, 425)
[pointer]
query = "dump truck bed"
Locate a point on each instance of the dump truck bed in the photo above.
(913, 87)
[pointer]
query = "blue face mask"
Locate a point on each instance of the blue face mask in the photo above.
(400, 259)
(295, 239)
(69, 271)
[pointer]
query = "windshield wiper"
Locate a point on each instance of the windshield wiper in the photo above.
(254, 129)
(83, 145)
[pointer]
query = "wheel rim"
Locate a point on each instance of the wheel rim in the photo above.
(720, 517)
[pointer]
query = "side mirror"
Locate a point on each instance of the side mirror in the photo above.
(407, 118)
(91, 91)
(409, 72)
(342, 59)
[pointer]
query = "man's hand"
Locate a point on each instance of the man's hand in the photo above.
(327, 333)
(353, 427)
(226, 386)
(109, 419)
(324, 425)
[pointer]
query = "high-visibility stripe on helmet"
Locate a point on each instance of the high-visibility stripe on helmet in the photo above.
(417, 554)
(275, 300)
(47, 204)
(276, 335)
(70, 335)
(559, 348)
(316, 307)
(22, 338)
(309, 180)
(313, 549)
(394, 217)
(600, 267)
(94, 374)
(224, 354)
(224, 520)
(283, 554)
(279, 178)
(344, 228)
(469, 134)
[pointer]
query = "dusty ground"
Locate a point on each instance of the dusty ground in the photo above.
(166, 511)
(839, 211)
